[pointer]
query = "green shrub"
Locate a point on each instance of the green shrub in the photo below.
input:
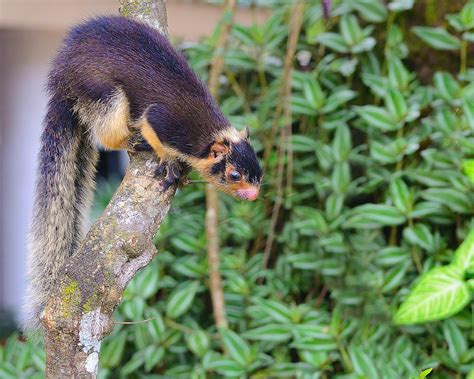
(379, 197)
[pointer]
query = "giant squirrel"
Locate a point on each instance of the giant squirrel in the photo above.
(112, 80)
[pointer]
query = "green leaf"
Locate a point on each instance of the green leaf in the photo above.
(314, 358)
(468, 36)
(342, 143)
(392, 256)
(400, 5)
(371, 10)
(427, 209)
(337, 98)
(440, 293)
(276, 310)
(156, 326)
(374, 216)
(363, 363)
(350, 29)
(314, 94)
(452, 198)
(190, 266)
(377, 84)
(341, 177)
(303, 144)
(314, 29)
(181, 299)
(447, 86)
(187, 243)
(396, 104)
(419, 235)
(299, 105)
(198, 342)
(366, 44)
(304, 261)
(147, 282)
(270, 332)
(437, 38)
(394, 278)
(383, 153)
(323, 343)
(377, 117)
(456, 341)
(333, 206)
(468, 166)
(333, 41)
(153, 356)
(467, 15)
(455, 21)
(398, 75)
(425, 373)
(468, 107)
(320, 332)
(112, 351)
(238, 349)
(227, 367)
(401, 196)
(8, 371)
(133, 364)
(464, 255)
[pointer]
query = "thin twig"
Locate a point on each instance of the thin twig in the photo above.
(133, 322)
(321, 296)
(212, 198)
(285, 132)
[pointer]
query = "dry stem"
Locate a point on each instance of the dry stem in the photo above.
(285, 132)
(212, 198)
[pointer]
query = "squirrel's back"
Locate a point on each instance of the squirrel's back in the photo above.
(106, 52)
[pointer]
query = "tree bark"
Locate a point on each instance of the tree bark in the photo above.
(79, 314)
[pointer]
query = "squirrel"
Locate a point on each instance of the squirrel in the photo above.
(119, 84)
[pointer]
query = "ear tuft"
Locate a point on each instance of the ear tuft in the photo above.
(218, 149)
(245, 133)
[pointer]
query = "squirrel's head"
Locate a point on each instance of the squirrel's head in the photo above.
(232, 165)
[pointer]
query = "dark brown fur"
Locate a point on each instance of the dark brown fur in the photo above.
(113, 52)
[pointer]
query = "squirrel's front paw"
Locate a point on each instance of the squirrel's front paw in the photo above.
(174, 172)
(136, 143)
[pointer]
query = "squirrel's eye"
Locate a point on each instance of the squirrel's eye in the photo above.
(235, 176)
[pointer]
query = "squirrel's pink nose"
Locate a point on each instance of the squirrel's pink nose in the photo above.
(248, 193)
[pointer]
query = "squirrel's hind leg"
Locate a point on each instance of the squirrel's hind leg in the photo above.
(107, 119)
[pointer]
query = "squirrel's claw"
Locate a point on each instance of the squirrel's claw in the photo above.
(174, 171)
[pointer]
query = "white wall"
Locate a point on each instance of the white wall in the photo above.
(25, 57)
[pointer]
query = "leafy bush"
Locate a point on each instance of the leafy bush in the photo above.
(378, 198)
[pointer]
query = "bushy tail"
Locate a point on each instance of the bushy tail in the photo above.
(64, 191)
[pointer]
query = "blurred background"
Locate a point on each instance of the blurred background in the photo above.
(357, 260)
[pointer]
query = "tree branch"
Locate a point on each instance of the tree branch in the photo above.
(153, 12)
(90, 286)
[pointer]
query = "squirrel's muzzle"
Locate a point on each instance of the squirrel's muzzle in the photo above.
(250, 193)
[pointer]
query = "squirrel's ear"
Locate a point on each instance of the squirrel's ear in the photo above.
(218, 149)
(245, 133)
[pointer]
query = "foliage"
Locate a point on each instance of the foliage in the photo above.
(379, 202)
(20, 360)
(442, 291)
